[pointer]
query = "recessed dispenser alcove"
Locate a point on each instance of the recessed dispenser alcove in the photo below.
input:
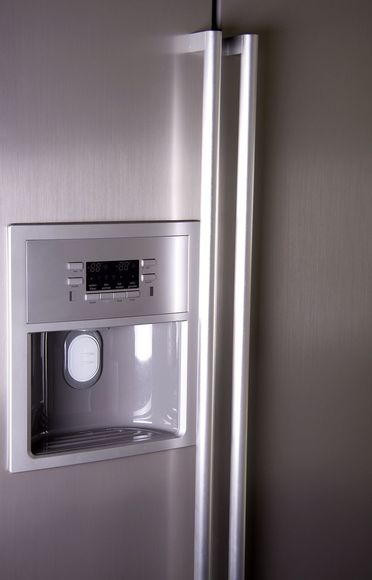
(103, 341)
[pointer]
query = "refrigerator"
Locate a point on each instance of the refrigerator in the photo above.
(100, 122)
(103, 119)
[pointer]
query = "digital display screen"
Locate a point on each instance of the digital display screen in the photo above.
(117, 275)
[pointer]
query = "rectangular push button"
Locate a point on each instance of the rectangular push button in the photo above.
(148, 262)
(75, 266)
(92, 297)
(119, 296)
(148, 278)
(107, 296)
(75, 281)
(133, 294)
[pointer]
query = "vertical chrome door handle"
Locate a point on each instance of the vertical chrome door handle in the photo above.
(210, 43)
(247, 46)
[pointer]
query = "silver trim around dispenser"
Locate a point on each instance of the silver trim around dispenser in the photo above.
(20, 457)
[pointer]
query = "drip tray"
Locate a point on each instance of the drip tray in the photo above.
(52, 443)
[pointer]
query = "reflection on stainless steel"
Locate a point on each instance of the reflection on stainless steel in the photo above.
(210, 43)
(246, 46)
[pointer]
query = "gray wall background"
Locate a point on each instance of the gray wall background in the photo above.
(310, 465)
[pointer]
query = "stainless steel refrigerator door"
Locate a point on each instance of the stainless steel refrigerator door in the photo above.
(99, 121)
(309, 462)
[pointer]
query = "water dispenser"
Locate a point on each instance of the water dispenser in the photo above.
(102, 340)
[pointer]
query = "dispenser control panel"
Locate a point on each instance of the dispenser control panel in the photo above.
(101, 278)
(103, 340)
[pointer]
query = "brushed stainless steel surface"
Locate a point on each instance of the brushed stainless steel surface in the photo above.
(85, 134)
(242, 304)
(212, 51)
(78, 135)
(98, 522)
(310, 468)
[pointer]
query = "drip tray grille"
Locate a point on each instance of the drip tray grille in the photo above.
(52, 443)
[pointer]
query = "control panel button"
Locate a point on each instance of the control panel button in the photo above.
(133, 294)
(148, 277)
(75, 281)
(107, 296)
(75, 266)
(120, 296)
(148, 262)
(92, 297)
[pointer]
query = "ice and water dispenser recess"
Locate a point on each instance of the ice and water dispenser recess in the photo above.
(102, 341)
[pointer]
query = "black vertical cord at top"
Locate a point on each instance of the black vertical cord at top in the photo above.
(216, 24)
